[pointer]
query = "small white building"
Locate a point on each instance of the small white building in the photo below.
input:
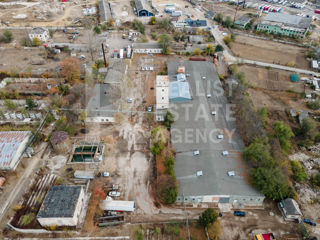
(41, 33)
(64, 206)
(12, 145)
(162, 92)
(146, 48)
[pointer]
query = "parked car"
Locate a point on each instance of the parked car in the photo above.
(239, 213)
(114, 194)
(150, 108)
(129, 100)
(220, 136)
(225, 153)
(309, 221)
(214, 113)
(208, 95)
(196, 152)
(106, 174)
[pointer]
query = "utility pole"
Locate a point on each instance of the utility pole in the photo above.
(235, 14)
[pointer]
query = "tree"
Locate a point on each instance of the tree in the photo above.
(227, 40)
(227, 22)
(271, 182)
(97, 30)
(36, 42)
(164, 41)
(207, 217)
(30, 103)
(153, 20)
(218, 18)
(110, 22)
(165, 23)
(308, 128)
(197, 52)
(284, 133)
(209, 50)
(157, 148)
(258, 153)
(168, 119)
(214, 230)
(219, 48)
(167, 189)
(6, 37)
(70, 69)
(299, 174)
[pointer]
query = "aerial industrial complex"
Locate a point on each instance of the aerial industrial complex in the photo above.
(160, 119)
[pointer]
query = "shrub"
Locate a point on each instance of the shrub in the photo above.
(316, 180)
(36, 42)
(30, 103)
(138, 25)
(97, 30)
(9, 104)
(219, 48)
(27, 219)
(299, 174)
(157, 148)
(153, 20)
(227, 40)
(218, 18)
(164, 41)
(197, 52)
(214, 230)
(153, 36)
(169, 164)
(6, 37)
(263, 113)
(207, 217)
(168, 119)
(314, 105)
(284, 133)
(308, 128)
(167, 189)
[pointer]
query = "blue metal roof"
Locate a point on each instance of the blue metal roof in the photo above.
(179, 91)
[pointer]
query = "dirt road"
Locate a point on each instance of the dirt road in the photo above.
(24, 181)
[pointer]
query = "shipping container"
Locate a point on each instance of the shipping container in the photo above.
(197, 59)
(118, 205)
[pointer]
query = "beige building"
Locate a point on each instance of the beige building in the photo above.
(162, 92)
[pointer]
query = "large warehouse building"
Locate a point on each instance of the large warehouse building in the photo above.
(284, 24)
(204, 173)
(12, 146)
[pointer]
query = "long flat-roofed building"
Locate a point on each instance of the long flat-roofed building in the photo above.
(162, 92)
(284, 24)
(208, 169)
(12, 145)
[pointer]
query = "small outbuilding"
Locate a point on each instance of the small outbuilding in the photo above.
(40, 33)
(294, 77)
(242, 22)
(143, 8)
(290, 209)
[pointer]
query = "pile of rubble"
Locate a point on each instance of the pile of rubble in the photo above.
(309, 163)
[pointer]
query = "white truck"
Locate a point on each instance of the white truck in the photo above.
(121, 53)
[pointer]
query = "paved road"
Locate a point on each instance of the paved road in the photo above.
(230, 59)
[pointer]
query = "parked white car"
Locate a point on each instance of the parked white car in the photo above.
(114, 194)
(208, 95)
(220, 136)
(196, 152)
(225, 153)
(231, 173)
(214, 113)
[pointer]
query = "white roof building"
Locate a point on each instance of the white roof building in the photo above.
(162, 92)
(12, 145)
(41, 33)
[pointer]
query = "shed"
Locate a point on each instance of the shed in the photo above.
(290, 209)
(84, 174)
(294, 77)
(143, 8)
